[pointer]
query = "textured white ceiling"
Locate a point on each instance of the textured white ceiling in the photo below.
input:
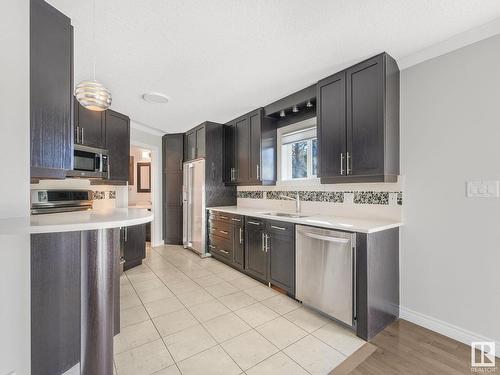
(218, 59)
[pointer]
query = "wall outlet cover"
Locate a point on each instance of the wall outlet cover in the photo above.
(483, 189)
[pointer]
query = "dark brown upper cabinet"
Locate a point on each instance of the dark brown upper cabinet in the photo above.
(358, 123)
(51, 86)
(194, 143)
(117, 142)
(89, 126)
(250, 150)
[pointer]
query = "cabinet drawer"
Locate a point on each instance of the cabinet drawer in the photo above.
(221, 247)
(281, 227)
(252, 223)
(220, 229)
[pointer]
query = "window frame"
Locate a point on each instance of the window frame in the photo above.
(281, 133)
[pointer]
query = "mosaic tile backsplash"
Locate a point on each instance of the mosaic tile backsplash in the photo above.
(358, 197)
(98, 195)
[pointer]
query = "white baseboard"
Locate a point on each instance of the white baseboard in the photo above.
(442, 327)
(158, 243)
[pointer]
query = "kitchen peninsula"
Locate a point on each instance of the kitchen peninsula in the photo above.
(75, 288)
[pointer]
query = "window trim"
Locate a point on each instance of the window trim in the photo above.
(281, 132)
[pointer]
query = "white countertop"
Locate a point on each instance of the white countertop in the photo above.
(350, 224)
(140, 205)
(76, 221)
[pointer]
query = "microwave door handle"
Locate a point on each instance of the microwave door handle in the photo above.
(97, 166)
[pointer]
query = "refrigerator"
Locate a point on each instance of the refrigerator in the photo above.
(194, 204)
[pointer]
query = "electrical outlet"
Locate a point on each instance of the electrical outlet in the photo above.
(483, 189)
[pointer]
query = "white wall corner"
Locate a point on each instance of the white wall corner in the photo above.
(444, 328)
(451, 44)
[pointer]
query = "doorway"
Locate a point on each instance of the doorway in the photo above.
(140, 187)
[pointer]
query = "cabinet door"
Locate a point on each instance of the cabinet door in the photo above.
(190, 146)
(242, 149)
(172, 225)
(134, 245)
(255, 172)
(89, 126)
(281, 250)
(55, 302)
(365, 117)
(118, 145)
(229, 157)
(51, 81)
(172, 152)
(255, 253)
(200, 142)
(331, 132)
(238, 245)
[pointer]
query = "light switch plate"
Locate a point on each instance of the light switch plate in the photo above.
(483, 189)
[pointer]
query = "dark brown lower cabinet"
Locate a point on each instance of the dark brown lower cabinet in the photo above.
(74, 301)
(280, 245)
(238, 233)
(134, 245)
(55, 302)
(255, 251)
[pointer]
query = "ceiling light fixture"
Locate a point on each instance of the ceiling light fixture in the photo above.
(309, 104)
(282, 113)
(155, 97)
(295, 109)
(90, 93)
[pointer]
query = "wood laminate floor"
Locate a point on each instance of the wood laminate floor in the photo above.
(406, 348)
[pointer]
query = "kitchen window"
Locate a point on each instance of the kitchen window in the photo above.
(298, 151)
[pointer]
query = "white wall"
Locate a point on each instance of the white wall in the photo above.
(133, 196)
(153, 142)
(450, 245)
(14, 186)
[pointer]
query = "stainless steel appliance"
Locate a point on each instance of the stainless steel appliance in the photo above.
(194, 212)
(53, 201)
(325, 263)
(89, 162)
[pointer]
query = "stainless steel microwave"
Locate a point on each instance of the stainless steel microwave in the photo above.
(89, 162)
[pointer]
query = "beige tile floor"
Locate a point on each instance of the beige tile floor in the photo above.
(181, 314)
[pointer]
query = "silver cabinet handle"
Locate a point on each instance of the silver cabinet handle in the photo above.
(224, 251)
(126, 234)
(81, 136)
(233, 174)
(263, 242)
(122, 260)
(349, 169)
(258, 172)
(223, 232)
(275, 227)
(241, 236)
(266, 237)
(234, 219)
(77, 130)
(253, 222)
(211, 246)
(341, 163)
(223, 217)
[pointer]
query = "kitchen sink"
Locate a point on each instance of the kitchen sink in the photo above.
(284, 214)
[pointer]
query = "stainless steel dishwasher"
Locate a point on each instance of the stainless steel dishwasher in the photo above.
(325, 261)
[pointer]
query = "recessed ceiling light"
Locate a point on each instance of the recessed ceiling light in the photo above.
(156, 97)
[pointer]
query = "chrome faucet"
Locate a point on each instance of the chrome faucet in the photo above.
(296, 199)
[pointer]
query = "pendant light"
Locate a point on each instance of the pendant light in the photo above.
(90, 93)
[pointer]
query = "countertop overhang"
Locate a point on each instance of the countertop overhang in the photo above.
(350, 224)
(75, 221)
